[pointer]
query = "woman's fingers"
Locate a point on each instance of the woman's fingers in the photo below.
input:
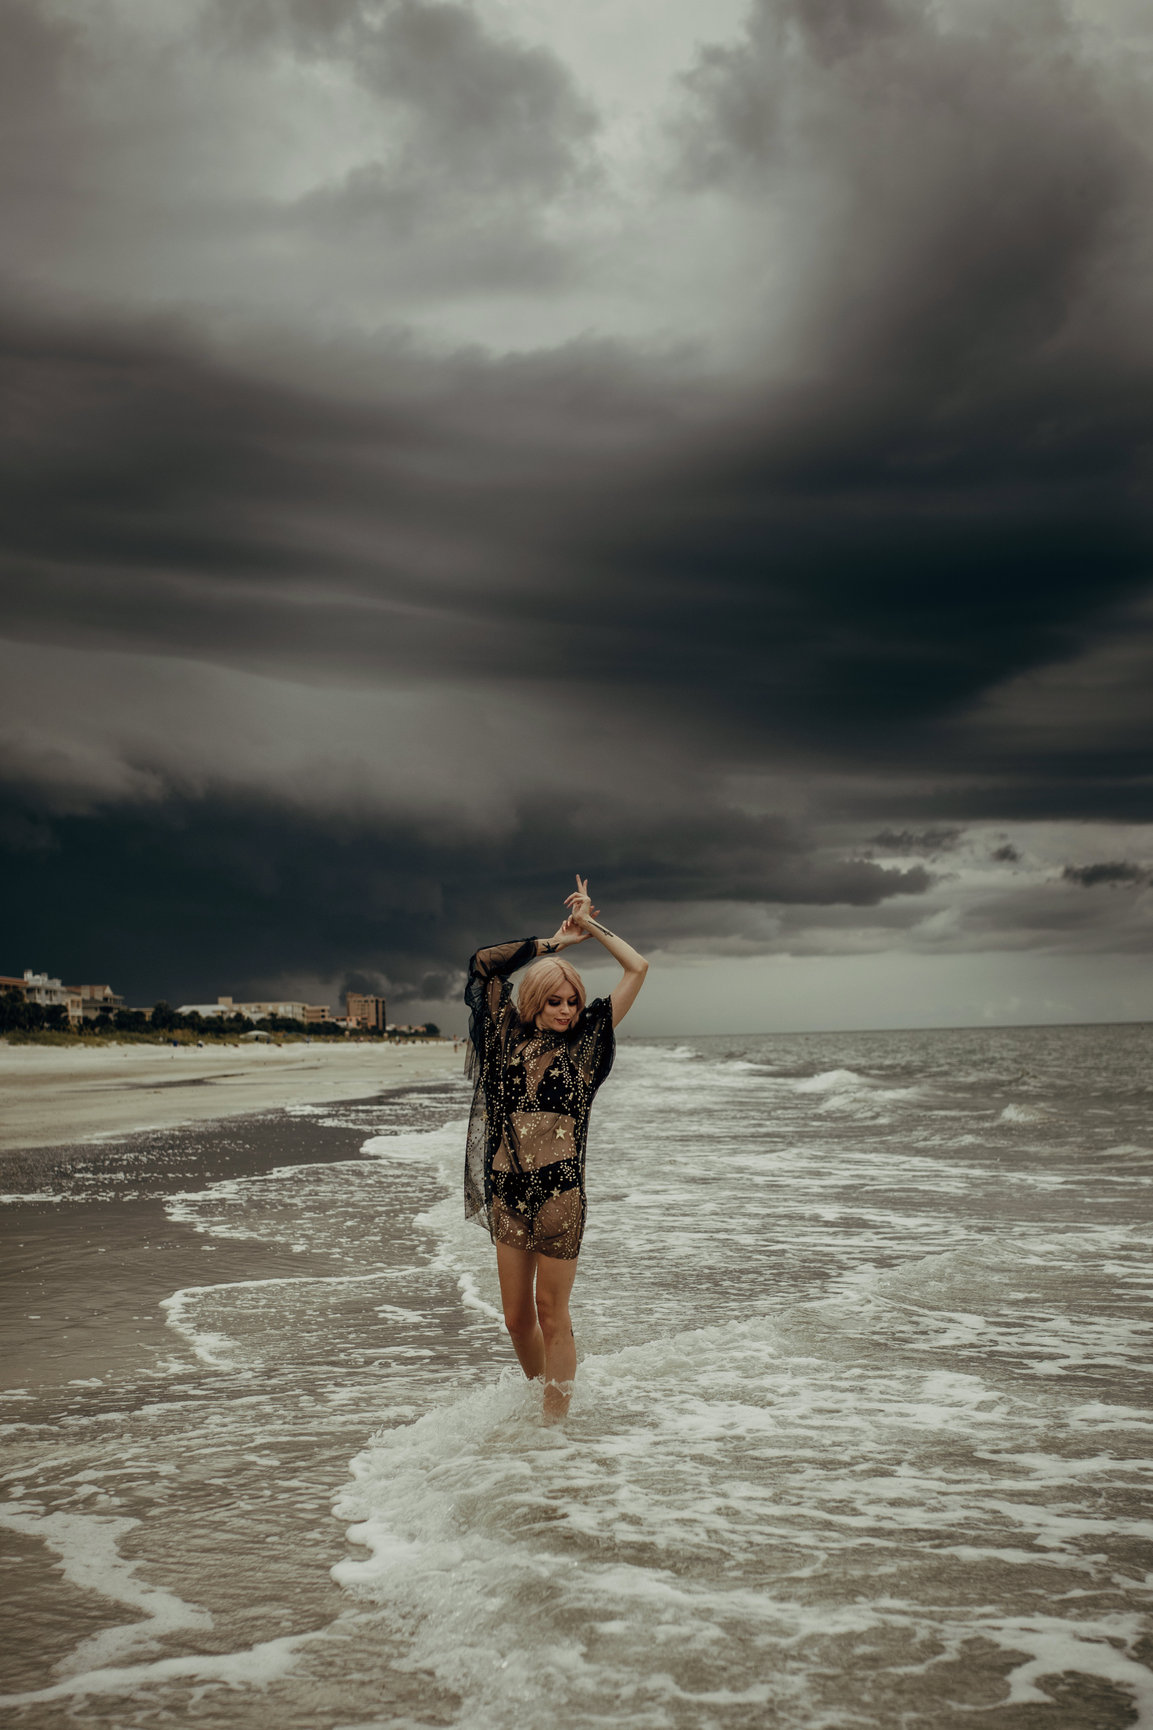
(580, 901)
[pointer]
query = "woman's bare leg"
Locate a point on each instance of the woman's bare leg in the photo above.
(554, 1283)
(516, 1270)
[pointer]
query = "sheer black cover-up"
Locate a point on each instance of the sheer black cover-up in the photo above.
(524, 1169)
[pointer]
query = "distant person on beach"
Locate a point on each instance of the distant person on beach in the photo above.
(537, 1065)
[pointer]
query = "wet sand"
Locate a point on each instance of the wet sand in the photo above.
(104, 1253)
(52, 1095)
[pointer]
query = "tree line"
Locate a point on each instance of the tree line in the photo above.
(19, 1015)
(165, 1019)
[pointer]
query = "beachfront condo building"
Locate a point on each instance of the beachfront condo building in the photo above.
(95, 998)
(364, 1010)
(289, 1009)
(40, 988)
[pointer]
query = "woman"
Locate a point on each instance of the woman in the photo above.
(537, 1066)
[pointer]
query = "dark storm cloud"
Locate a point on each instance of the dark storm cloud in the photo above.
(342, 161)
(1030, 786)
(478, 115)
(916, 480)
(475, 514)
(487, 107)
(1006, 854)
(977, 377)
(159, 497)
(483, 132)
(1113, 872)
(948, 500)
(256, 891)
(488, 112)
(1056, 916)
(968, 169)
(970, 430)
(916, 840)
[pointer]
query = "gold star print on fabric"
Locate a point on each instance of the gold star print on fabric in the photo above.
(524, 1081)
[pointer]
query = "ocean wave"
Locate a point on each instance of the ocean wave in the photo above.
(254, 1666)
(88, 1547)
(832, 1081)
(713, 1515)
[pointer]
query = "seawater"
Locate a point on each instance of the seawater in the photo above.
(861, 1434)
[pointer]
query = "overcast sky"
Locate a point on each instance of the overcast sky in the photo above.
(450, 446)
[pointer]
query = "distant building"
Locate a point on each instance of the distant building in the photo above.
(288, 1010)
(39, 988)
(363, 1010)
(94, 998)
(10, 983)
(258, 1011)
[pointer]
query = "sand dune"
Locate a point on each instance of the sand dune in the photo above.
(55, 1094)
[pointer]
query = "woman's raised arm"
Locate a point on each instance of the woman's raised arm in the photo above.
(582, 914)
(498, 960)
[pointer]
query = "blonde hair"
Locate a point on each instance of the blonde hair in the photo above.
(541, 977)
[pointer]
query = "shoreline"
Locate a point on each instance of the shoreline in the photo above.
(200, 1329)
(52, 1096)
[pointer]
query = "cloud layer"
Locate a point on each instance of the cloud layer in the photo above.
(443, 457)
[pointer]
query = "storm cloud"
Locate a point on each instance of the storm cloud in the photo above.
(1113, 872)
(442, 456)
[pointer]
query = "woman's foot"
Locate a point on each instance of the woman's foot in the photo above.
(556, 1401)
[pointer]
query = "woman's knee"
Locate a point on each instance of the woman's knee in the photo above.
(520, 1319)
(552, 1313)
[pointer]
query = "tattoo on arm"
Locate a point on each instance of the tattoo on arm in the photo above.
(603, 928)
(549, 948)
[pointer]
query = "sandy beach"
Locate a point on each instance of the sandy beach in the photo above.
(50, 1095)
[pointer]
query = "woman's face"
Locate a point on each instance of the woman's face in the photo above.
(561, 1008)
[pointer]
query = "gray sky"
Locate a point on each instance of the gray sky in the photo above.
(453, 446)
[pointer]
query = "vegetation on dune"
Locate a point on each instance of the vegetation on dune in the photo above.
(25, 1023)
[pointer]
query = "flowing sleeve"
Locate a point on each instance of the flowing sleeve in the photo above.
(487, 995)
(596, 1045)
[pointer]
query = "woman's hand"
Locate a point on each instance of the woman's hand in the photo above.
(578, 925)
(566, 935)
(581, 910)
